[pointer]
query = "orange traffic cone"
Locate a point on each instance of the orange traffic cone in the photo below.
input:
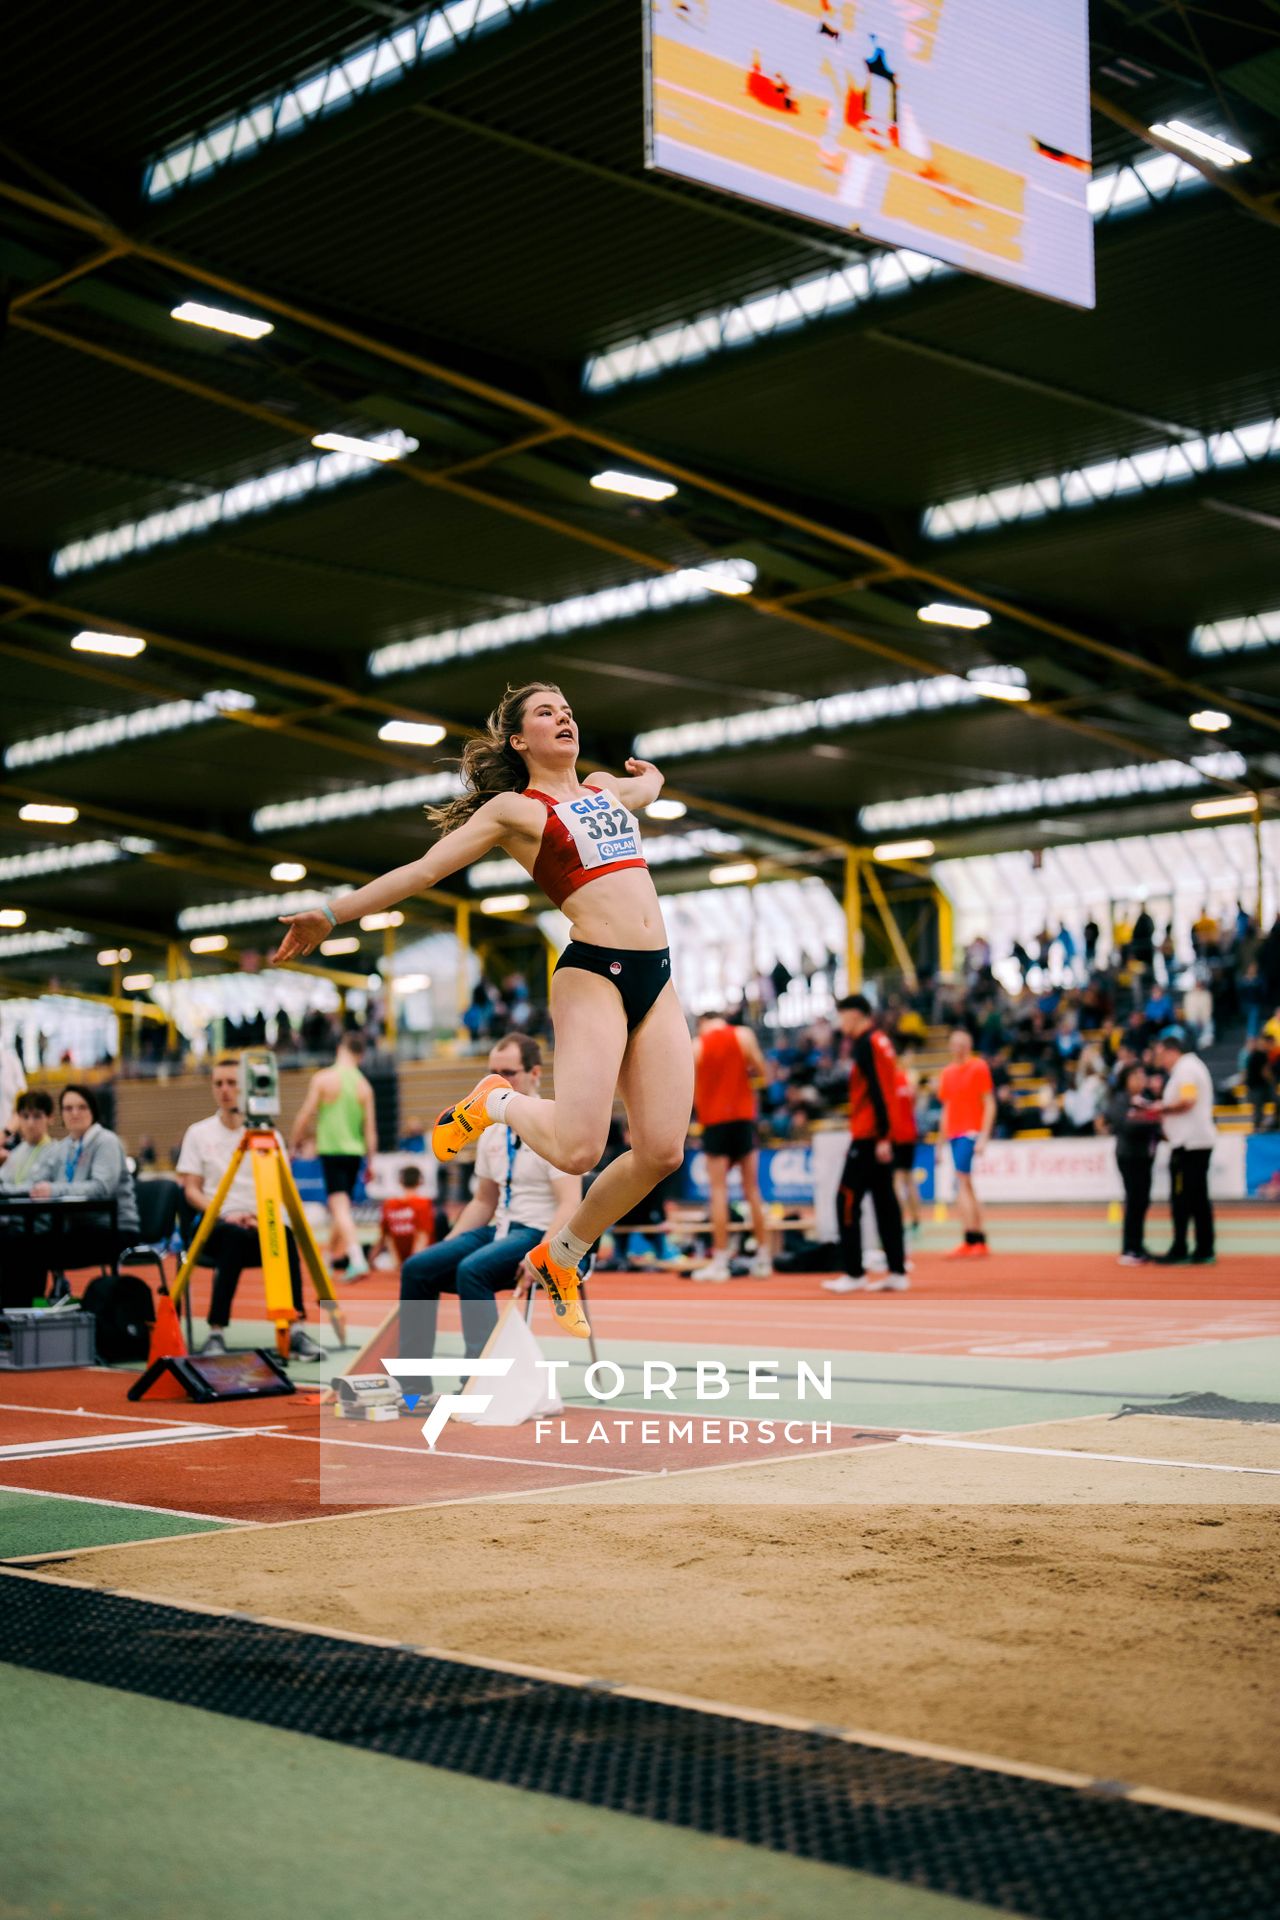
(167, 1343)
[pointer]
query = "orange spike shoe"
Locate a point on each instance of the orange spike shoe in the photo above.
(462, 1124)
(562, 1285)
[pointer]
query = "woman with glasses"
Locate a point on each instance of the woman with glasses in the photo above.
(90, 1166)
(618, 1023)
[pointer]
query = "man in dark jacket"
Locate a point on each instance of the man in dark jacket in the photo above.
(868, 1167)
(1136, 1126)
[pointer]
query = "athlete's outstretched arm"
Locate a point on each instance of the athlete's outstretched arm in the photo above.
(643, 784)
(476, 836)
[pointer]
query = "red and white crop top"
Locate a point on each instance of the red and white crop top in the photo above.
(583, 839)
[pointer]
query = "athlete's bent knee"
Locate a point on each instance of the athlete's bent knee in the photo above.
(660, 1157)
(579, 1156)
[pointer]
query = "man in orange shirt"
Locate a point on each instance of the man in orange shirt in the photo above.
(408, 1219)
(725, 1058)
(968, 1097)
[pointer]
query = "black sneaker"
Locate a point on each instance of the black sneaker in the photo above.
(1170, 1259)
(303, 1347)
(1202, 1260)
(214, 1345)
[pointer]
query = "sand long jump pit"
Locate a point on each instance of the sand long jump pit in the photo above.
(1093, 1595)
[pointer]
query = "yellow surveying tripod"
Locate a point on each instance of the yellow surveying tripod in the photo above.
(277, 1201)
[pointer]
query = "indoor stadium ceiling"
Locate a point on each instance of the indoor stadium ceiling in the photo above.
(468, 253)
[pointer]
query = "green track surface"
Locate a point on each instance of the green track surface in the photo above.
(34, 1523)
(123, 1808)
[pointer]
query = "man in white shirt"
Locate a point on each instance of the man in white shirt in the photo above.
(233, 1245)
(1187, 1119)
(517, 1199)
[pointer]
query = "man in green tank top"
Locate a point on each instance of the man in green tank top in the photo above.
(338, 1109)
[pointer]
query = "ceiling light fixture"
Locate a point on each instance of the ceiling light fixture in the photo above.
(1209, 720)
(138, 982)
(288, 871)
(940, 614)
(412, 733)
(1219, 809)
(505, 903)
(666, 810)
(125, 646)
(635, 485)
(12, 917)
(84, 853)
(733, 875)
(654, 594)
(218, 320)
(210, 943)
(50, 815)
(1205, 146)
(381, 922)
(998, 689)
(349, 803)
(903, 850)
(1145, 779)
(411, 983)
(123, 729)
(114, 956)
(364, 449)
(331, 949)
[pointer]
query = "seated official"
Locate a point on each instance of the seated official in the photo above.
(90, 1164)
(517, 1200)
(34, 1156)
(205, 1154)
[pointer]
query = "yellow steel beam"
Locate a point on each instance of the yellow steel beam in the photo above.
(11, 989)
(548, 419)
(853, 918)
(1261, 209)
(90, 264)
(892, 930)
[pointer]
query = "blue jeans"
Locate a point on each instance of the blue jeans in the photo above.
(473, 1265)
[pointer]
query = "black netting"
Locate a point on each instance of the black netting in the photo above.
(1208, 1406)
(1044, 1851)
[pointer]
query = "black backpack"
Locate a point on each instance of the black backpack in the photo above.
(124, 1313)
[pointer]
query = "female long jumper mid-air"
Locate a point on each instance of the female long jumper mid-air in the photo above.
(618, 1023)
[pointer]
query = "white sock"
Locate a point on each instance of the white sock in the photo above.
(495, 1104)
(567, 1250)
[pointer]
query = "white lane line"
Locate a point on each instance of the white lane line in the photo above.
(1066, 1453)
(89, 1413)
(119, 1442)
(130, 1506)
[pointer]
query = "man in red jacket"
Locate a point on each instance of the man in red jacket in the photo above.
(868, 1167)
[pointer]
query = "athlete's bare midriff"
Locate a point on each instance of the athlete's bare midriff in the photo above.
(614, 910)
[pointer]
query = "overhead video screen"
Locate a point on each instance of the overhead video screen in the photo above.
(957, 128)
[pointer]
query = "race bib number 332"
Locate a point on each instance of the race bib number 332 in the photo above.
(601, 829)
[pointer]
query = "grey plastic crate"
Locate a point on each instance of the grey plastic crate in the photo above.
(33, 1337)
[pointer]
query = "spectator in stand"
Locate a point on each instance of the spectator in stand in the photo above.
(1205, 933)
(968, 1099)
(1259, 1083)
(413, 1138)
(1092, 934)
(1197, 1010)
(1082, 1101)
(868, 1167)
(1159, 1006)
(1252, 991)
(1135, 1123)
(407, 1222)
(203, 1158)
(1121, 936)
(1142, 944)
(1187, 1115)
(13, 1081)
(726, 1060)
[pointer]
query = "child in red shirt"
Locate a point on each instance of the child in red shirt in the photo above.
(408, 1218)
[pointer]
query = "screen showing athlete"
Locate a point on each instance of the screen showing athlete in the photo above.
(618, 1023)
